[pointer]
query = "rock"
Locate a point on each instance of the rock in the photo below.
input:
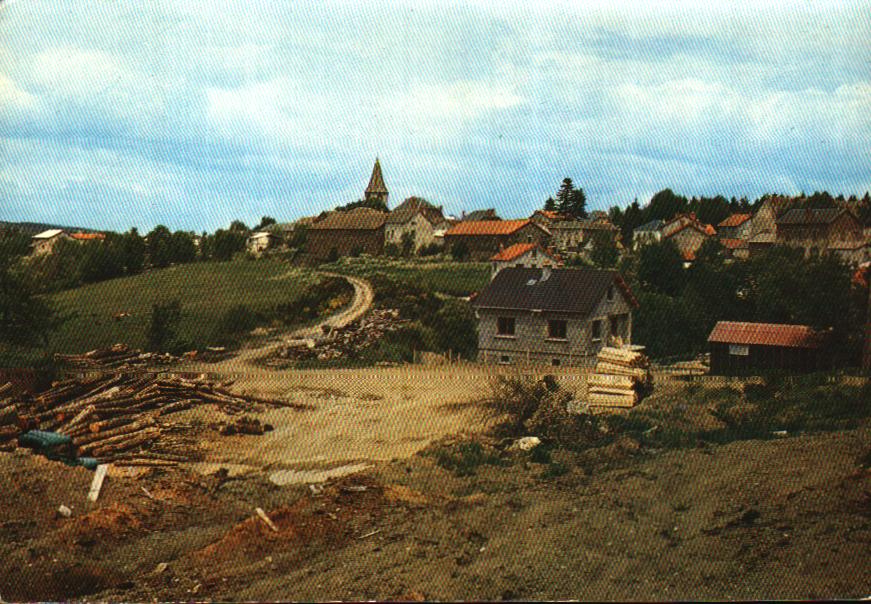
(527, 443)
(64, 511)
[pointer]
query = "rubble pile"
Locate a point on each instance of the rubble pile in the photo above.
(9, 421)
(120, 418)
(244, 425)
(621, 379)
(346, 341)
(119, 356)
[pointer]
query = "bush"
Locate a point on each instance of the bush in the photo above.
(460, 251)
(433, 249)
(236, 321)
(391, 250)
(465, 458)
(163, 328)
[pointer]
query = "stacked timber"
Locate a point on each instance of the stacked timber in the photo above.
(621, 378)
(118, 356)
(9, 420)
(122, 417)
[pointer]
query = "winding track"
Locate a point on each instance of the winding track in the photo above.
(364, 295)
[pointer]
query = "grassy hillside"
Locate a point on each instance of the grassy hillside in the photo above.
(431, 274)
(206, 291)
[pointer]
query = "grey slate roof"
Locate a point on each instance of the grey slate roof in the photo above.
(410, 207)
(810, 216)
(569, 290)
(653, 225)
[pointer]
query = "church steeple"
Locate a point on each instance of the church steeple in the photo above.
(377, 190)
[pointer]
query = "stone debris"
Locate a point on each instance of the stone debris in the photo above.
(344, 342)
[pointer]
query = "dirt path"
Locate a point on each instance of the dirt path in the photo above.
(360, 305)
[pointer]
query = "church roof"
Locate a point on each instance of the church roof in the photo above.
(409, 208)
(376, 181)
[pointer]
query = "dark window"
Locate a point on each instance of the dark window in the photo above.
(505, 359)
(556, 330)
(555, 362)
(597, 330)
(529, 239)
(505, 326)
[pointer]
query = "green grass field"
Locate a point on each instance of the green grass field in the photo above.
(206, 291)
(431, 274)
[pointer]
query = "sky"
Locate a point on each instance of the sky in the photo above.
(121, 113)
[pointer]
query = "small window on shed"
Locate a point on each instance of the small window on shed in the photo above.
(505, 359)
(555, 362)
(505, 326)
(596, 330)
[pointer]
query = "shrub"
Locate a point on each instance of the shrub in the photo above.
(465, 458)
(460, 251)
(236, 321)
(163, 327)
(391, 250)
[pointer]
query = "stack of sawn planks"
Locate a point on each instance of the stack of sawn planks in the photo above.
(621, 378)
(119, 418)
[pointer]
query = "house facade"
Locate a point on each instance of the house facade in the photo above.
(523, 255)
(484, 238)
(736, 226)
(44, 243)
(817, 231)
(259, 242)
(552, 316)
(338, 234)
(647, 233)
(688, 239)
(417, 217)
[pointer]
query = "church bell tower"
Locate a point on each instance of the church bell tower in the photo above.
(377, 190)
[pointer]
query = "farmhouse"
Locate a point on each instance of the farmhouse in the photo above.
(689, 238)
(748, 348)
(45, 242)
(416, 219)
(816, 231)
(483, 238)
(556, 316)
(647, 233)
(523, 255)
(357, 231)
(259, 242)
(736, 226)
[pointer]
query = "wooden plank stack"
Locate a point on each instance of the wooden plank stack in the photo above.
(122, 417)
(621, 378)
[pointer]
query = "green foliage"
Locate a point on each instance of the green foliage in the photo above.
(465, 458)
(163, 328)
(223, 245)
(460, 251)
(317, 300)
(25, 319)
(660, 268)
(667, 326)
(237, 320)
(433, 249)
(407, 244)
(604, 253)
(265, 221)
(456, 328)
(375, 204)
(571, 201)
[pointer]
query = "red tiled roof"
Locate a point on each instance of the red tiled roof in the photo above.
(488, 227)
(549, 214)
(689, 255)
(693, 225)
(732, 244)
(517, 250)
(735, 220)
(765, 334)
(88, 236)
(710, 230)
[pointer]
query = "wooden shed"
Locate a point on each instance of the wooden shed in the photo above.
(751, 348)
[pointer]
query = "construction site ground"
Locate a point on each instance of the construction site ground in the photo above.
(781, 518)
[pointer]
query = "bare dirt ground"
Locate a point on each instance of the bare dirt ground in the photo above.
(786, 518)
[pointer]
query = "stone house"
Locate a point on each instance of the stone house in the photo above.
(338, 234)
(736, 226)
(484, 238)
(567, 233)
(45, 242)
(259, 242)
(523, 255)
(415, 216)
(647, 233)
(765, 218)
(552, 316)
(688, 239)
(817, 231)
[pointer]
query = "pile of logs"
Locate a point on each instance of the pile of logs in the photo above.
(621, 379)
(346, 341)
(119, 356)
(120, 418)
(9, 421)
